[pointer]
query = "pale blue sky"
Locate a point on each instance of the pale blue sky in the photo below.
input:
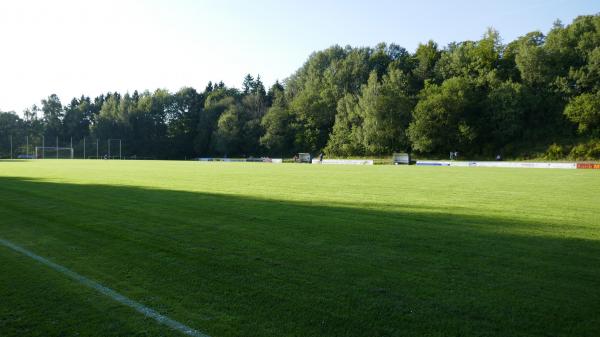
(71, 47)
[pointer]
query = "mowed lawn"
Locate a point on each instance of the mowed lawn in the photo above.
(242, 249)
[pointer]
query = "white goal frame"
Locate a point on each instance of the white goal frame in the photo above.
(54, 148)
(401, 159)
(304, 158)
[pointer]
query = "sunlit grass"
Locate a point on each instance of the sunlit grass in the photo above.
(235, 249)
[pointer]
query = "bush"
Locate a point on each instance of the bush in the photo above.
(578, 152)
(554, 152)
(594, 151)
(586, 151)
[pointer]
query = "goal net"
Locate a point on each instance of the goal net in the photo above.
(304, 158)
(401, 159)
(53, 152)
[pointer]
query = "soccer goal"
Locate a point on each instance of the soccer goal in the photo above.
(401, 159)
(42, 152)
(303, 158)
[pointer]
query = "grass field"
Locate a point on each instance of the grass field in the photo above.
(300, 250)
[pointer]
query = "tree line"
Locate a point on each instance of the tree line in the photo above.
(536, 95)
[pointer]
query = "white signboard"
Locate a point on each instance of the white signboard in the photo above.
(513, 164)
(517, 164)
(343, 161)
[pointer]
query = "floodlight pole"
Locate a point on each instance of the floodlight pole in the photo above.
(120, 157)
(97, 148)
(43, 147)
(83, 147)
(72, 148)
(27, 147)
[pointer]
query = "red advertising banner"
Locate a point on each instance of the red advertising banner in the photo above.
(588, 166)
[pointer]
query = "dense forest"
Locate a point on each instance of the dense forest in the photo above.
(537, 96)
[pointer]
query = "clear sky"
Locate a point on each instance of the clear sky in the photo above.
(91, 47)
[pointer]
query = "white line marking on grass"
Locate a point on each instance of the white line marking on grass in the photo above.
(107, 292)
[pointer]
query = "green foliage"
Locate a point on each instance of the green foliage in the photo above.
(183, 121)
(53, 114)
(554, 152)
(76, 121)
(228, 135)
(375, 122)
(386, 111)
(586, 151)
(477, 97)
(314, 113)
(346, 139)
(533, 61)
(279, 133)
(443, 120)
(584, 110)
(503, 114)
(9, 122)
(426, 57)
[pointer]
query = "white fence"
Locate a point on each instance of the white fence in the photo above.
(432, 163)
(511, 164)
(344, 161)
(243, 160)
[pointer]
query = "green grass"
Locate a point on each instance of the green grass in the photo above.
(235, 249)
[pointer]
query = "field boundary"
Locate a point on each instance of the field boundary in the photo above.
(148, 312)
(343, 161)
(508, 164)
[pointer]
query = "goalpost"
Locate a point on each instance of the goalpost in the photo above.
(115, 141)
(54, 152)
(401, 159)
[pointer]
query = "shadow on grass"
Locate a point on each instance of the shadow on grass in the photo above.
(241, 266)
